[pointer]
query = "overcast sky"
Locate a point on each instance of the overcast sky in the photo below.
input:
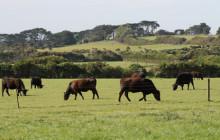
(76, 15)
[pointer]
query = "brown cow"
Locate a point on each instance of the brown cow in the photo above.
(83, 85)
(138, 75)
(13, 83)
(134, 85)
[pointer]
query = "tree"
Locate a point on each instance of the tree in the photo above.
(37, 37)
(203, 28)
(179, 32)
(149, 26)
(122, 32)
(218, 31)
(65, 38)
(164, 32)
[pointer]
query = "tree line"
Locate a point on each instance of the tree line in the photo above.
(42, 38)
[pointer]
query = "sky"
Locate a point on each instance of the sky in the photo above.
(77, 15)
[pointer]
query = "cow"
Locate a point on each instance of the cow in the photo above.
(36, 82)
(79, 86)
(136, 84)
(138, 74)
(13, 83)
(197, 75)
(183, 78)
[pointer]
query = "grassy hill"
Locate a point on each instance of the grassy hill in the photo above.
(187, 37)
(113, 45)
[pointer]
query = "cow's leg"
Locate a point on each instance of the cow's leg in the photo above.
(7, 92)
(188, 86)
(3, 89)
(142, 97)
(192, 84)
(182, 86)
(93, 96)
(126, 95)
(145, 96)
(81, 95)
(31, 86)
(75, 96)
(120, 94)
(94, 91)
(19, 92)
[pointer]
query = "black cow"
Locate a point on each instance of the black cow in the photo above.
(36, 82)
(13, 83)
(137, 84)
(183, 78)
(197, 75)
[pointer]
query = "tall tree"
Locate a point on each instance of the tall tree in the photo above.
(203, 28)
(149, 26)
(37, 37)
(218, 31)
(65, 38)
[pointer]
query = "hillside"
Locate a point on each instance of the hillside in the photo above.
(113, 46)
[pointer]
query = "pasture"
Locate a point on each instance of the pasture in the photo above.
(44, 115)
(113, 46)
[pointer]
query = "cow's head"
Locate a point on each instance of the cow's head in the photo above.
(175, 86)
(201, 76)
(24, 92)
(66, 95)
(41, 86)
(157, 95)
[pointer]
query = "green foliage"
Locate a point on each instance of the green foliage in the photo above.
(203, 28)
(98, 33)
(65, 38)
(164, 32)
(123, 32)
(169, 40)
(106, 55)
(136, 68)
(173, 69)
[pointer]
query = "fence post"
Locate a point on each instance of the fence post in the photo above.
(209, 94)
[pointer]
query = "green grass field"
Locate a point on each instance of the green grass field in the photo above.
(113, 45)
(44, 115)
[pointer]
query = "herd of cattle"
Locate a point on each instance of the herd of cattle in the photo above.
(135, 83)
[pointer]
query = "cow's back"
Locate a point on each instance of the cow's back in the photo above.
(136, 84)
(184, 78)
(36, 80)
(10, 83)
(83, 84)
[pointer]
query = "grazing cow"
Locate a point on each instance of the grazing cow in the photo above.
(197, 75)
(13, 83)
(36, 82)
(83, 85)
(183, 78)
(135, 84)
(138, 74)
